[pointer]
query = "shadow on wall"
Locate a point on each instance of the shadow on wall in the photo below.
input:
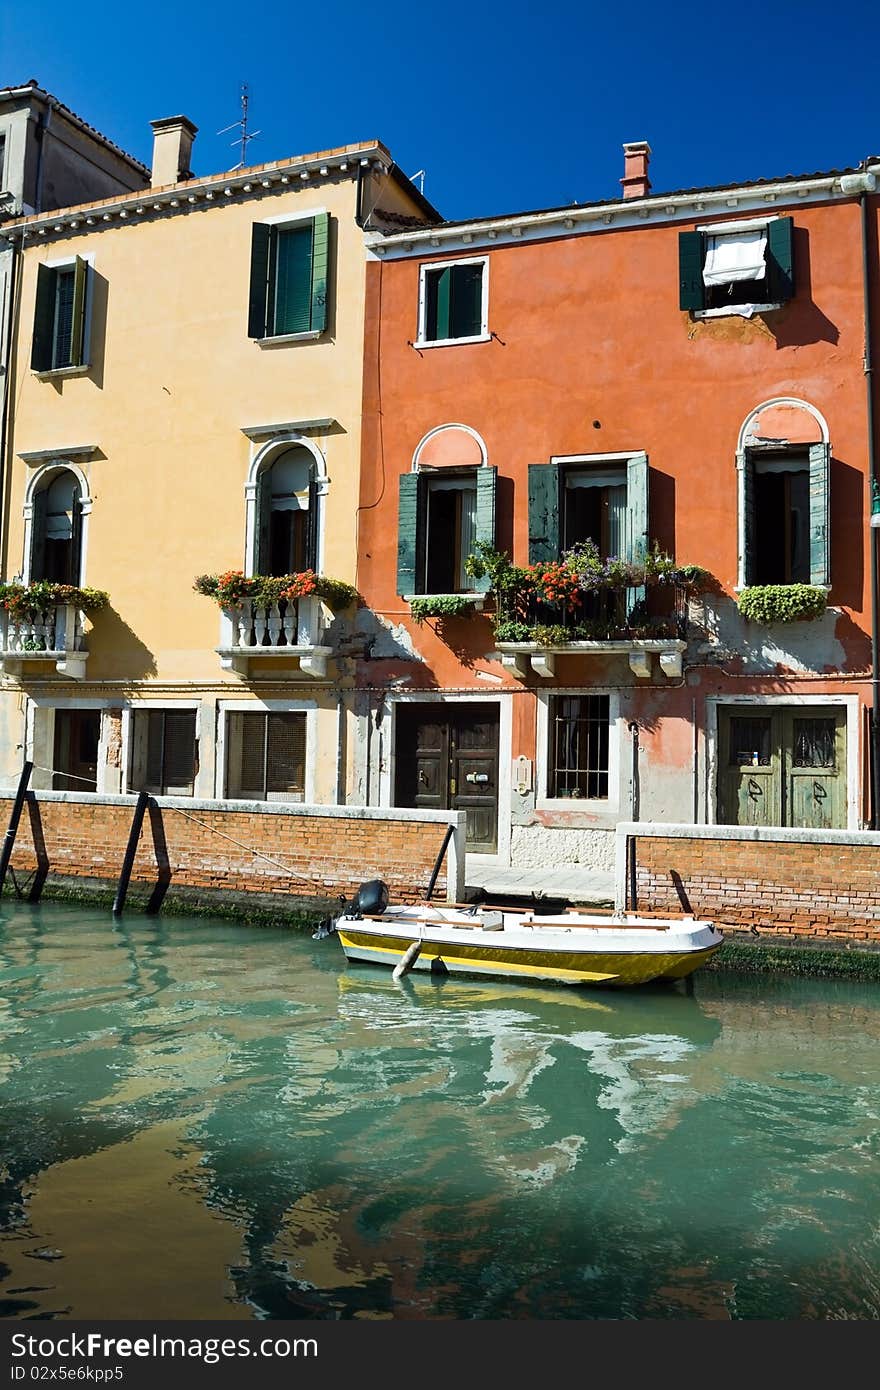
(803, 321)
(661, 490)
(847, 533)
(800, 646)
(111, 636)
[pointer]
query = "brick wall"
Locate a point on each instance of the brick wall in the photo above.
(810, 888)
(327, 851)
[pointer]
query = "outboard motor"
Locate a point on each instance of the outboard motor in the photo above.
(372, 898)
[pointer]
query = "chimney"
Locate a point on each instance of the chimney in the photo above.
(172, 146)
(636, 183)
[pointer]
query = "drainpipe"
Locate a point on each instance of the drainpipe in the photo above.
(634, 734)
(867, 184)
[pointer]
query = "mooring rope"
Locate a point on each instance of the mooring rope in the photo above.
(257, 853)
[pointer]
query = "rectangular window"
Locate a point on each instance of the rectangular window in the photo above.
(595, 509)
(164, 757)
(736, 267)
(266, 756)
(453, 302)
(442, 514)
(60, 317)
(577, 764)
(782, 521)
(288, 285)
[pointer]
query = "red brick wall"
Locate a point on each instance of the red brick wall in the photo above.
(327, 854)
(819, 890)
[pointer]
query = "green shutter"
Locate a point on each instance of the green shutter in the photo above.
(410, 534)
(263, 522)
(78, 328)
(543, 512)
(312, 523)
(44, 320)
(747, 494)
(691, 254)
(76, 537)
(320, 271)
(38, 535)
(636, 519)
(261, 238)
(485, 528)
(438, 289)
(820, 514)
(293, 280)
(780, 260)
(466, 301)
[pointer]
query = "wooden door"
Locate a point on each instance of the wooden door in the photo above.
(447, 759)
(785, 766)
(77, 732)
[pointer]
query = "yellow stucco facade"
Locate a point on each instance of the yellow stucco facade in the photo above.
(165, 431)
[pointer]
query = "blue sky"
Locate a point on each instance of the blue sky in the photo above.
(505, 106)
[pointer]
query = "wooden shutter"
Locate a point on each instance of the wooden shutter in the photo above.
(263, 523)
(320, 270)
(749, 520)
(466, 301)
(258, 307)
(38, 535)
(443, 289)
(637, 519)
(820, 514)
(780, 260)
(485, 528)
(691, 254)
(178, 751)
(410, 534)
(44, 320)
(544, 496)
(312, 522)
(78, 327)
(293, 280)
(76, 537)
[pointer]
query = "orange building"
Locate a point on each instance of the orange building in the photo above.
(622, 394)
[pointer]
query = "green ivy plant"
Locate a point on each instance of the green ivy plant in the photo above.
(442, 606)
(782, 603)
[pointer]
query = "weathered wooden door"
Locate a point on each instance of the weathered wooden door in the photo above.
(447, 759)
(783, 767)
(77, 733)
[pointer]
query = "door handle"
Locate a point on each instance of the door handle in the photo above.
(452, 786)
(476, 777)
(755, 789)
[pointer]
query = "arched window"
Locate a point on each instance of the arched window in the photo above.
(286, 539)
(56, 529)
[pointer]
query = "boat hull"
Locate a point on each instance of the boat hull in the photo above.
(600, 953)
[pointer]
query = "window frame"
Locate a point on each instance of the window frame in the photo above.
(276, 224)
(227, 707)
(818, 456)
(40, 482)
(146, 707)
(83, 349)
(426, 267)
(412, 526)
(604, 808)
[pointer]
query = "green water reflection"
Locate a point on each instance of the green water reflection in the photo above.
(204, 1120)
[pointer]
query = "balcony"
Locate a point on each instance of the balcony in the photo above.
(252, 630)
(53, 632)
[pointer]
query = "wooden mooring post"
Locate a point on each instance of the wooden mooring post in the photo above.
(14, 818)
(134, 835)
(450, 831)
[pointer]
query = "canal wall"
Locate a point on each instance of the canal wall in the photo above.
(253, 852)
(809, 887)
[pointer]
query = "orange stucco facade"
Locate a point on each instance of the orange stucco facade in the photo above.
(586, 354)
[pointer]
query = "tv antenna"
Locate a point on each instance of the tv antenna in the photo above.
(242, 125)
(420, 175)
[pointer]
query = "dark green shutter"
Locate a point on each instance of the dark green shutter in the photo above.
(38, 535)
(820, 514)
(747, 493)
(312, 523)
(466, 301)
(261, 238)
(44, 320)
(410, 534)
(780, 260)
(485, 520)
(320, 271)
(78, 327)
(691, 255)
(438, 285)
(543, 512)
(636, 519)
(263, 522)
(75, 537)
(293, 281)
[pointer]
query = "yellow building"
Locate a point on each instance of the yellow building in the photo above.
(186, 378)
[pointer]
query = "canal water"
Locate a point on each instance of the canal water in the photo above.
(202, 1120)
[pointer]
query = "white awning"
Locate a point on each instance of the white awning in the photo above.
(733, 257)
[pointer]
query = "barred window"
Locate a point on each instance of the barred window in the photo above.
(266, 757)
(578, 754)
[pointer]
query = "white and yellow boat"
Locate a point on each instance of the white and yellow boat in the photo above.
(575, 947)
